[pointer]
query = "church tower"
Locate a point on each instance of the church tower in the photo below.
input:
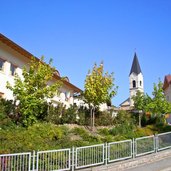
(135, 79)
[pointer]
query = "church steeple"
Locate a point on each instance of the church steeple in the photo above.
(136, 82)
(135, 66)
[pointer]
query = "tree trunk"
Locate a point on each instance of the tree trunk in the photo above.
(93, 119)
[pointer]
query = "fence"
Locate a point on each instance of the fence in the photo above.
(81, 157)
(163, 141)
(119, 150)
(54, 160)
(144, 145)
(16, 162)
(89, 156)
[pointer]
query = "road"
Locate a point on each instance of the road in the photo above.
(162, 165)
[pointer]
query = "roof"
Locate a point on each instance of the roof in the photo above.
(167, 81)
(15, 47)
(126, 102)
(28, 55)
(135, 66)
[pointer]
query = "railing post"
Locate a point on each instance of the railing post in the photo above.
(33, 164)
(156, 143)
(73, 158)
(106, 154)
(133, 148)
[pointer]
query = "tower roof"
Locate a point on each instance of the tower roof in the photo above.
(135, 66)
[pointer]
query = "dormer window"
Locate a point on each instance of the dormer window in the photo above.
(1, 64)
(134, 83)
(13, 69)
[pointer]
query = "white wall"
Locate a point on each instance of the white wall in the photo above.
(12, 57)
(139, 86)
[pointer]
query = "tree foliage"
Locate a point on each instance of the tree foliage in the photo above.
(157, 105)
(33, 90)
(139, 101)
(99, 86)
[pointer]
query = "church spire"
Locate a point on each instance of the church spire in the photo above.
(136, 82)
(135, 66)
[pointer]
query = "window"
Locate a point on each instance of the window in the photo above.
(13, 69)
(1, 64)
(133, 83)
(140, 83)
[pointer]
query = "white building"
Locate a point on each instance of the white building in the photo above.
(136, 83)
(13, 58)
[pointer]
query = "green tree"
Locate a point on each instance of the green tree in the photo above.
(139, 100)
(159, 106)
(140, 104)
(99, 88)
(33, 90)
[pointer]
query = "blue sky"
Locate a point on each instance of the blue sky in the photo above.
(78, 33)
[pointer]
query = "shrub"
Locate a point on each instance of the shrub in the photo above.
(7, 110)
(123, 117)
(124, 124)
(40, 136)
(61, 115)
(92, 139)
(120, 130)
(104, 131)
(70, 115)
(104, 118)
(54, 113)
(84, 116)
(80, 131)
(108, 138)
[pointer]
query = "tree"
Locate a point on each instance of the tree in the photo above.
(99, 88)
(141, 102)
(157, 105)
(33, 90)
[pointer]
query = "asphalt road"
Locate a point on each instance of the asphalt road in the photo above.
(162, 165)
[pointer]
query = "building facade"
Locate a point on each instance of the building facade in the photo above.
(12, 60)
(167, 87)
